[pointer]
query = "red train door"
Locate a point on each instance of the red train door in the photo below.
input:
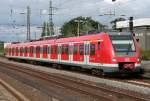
(78, 52)
(65, 52)
(17, 51)
(95, 52)
(21, 51)
(31, 51)
(45, 51)
(13, 50)
(38, 51)
(75, 52)
(26, 51)
(54, 52)
(92, 57)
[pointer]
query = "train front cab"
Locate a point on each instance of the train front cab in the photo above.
(126, 54)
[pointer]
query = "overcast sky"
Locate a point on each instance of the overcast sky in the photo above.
(66, 9)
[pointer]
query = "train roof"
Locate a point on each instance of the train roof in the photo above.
(62, 40)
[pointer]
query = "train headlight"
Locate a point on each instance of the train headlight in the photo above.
(114, 60)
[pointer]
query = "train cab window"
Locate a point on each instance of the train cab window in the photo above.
(98, 45)
(81, 49)
(92, 49)
(75, 49)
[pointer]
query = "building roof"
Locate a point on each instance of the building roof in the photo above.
(136, 23)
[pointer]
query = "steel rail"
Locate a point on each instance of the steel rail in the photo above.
(46, 76)
(13, 91)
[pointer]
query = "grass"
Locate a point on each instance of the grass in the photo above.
(1, 49)
(145, 54)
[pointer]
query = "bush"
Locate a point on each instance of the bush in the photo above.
(145, 54)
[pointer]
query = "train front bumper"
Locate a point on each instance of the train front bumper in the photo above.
(116, 70)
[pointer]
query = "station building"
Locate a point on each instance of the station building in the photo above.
(141, 29)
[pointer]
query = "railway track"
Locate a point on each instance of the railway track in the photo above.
(17, 95)
(78, 86)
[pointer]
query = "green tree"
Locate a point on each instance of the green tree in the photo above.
(85, 24)
(114, 22)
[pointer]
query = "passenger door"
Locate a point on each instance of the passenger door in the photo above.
(54, 52)
(65, 52)
(45, 52)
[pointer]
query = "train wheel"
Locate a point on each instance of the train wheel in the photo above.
(97, 72)
(100, 72)
(54, 65)
(94, 71)
(59, 67)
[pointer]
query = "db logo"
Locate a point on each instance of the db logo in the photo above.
(127, 59)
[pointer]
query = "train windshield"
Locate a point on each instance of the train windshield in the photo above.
(123, 45)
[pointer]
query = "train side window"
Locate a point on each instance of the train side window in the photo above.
(66, 49)
(62, 49)
(21, 51)
(56, 49)
(59, 49)
(16, 50)
(52, 48)
(81, 49)
(25, 50)
(70, 49)
(87, 49)
(75, 49)
(49, 49)
(41, 50)
(99, 43)
(92, 49)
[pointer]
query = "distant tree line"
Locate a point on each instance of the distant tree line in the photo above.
(81, 25)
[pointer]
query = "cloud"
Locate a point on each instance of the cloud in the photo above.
(68, 9)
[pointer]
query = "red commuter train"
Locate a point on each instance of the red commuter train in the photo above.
(114, 52)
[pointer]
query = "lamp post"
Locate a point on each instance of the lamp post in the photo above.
(78, 28)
